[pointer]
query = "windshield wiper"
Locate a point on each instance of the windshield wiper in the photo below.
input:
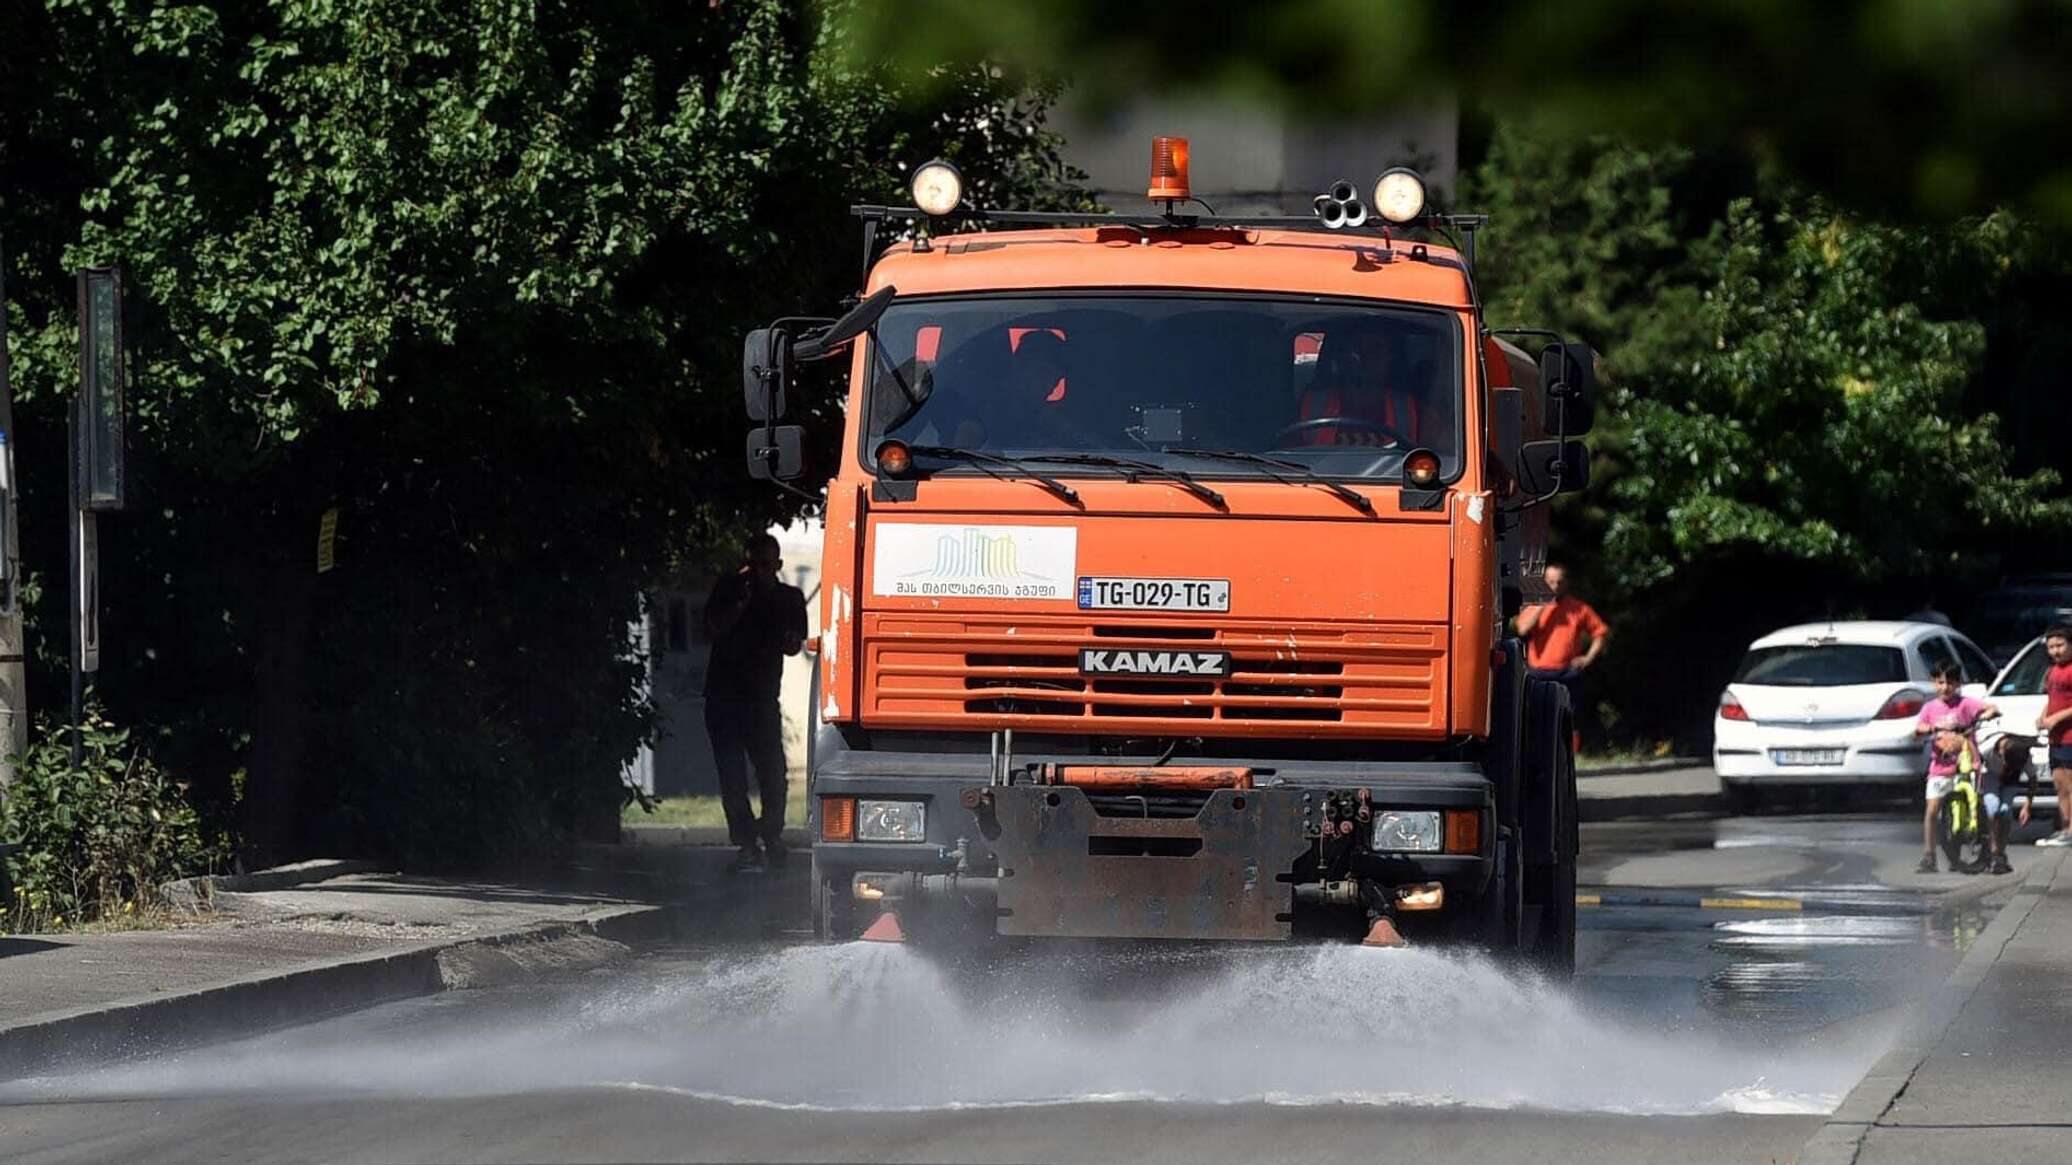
(1132, 469)
(985, 461)
(1352, 497)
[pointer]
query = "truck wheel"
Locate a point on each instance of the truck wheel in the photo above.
(1490, 922)
(1554, 948)
(1553, 887)
(1548, 819)
(834, 912)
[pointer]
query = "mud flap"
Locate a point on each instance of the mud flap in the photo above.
(1067, 871)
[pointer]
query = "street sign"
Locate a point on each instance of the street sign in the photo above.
(99, 452)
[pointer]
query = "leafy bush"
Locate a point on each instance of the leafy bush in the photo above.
(93, 842)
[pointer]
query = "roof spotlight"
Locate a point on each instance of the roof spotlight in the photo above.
(938, 188)
(1399, 195)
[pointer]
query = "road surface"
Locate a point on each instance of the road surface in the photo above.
(1689, 1034)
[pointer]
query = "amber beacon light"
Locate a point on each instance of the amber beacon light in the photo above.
(1169, 170)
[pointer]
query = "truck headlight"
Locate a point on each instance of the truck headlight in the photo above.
(891, 821)
(1407, 831)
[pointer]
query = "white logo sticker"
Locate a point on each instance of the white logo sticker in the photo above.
(975, 562)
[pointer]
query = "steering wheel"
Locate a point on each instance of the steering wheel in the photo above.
(1359, 424)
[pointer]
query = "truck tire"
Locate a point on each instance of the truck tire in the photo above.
(1553, 949)
(1550, 872)
(1499, 914)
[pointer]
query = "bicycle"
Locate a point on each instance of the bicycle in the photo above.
(1961, 829)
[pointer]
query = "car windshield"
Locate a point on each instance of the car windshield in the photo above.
(1822, 665)
(2025, 677)
(1343, 390)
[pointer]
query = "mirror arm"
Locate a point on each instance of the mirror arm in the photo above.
(878, 350)
(795, 491)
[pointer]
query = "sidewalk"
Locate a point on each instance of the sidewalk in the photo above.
(1985, 1077)
(283, 954)
(1656, 793)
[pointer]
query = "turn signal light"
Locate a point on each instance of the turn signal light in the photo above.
(895, 458)
(1730, 708)
(1421, 468)
(1464, 831)
(1169, 170)
(838, 819)
(1903, 705)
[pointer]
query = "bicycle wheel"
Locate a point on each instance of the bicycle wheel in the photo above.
(1958, 831)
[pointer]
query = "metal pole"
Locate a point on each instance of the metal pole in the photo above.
(14, 687)
(72, 539)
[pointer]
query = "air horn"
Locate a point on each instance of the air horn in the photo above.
(1340, 206)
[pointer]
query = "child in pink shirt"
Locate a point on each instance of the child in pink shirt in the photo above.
(1949, 720)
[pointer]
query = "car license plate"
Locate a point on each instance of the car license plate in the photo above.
(1154, 594)
(1807, 756)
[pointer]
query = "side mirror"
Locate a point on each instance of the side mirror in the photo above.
(1568, 377)
(857, 321)
(776, 452)
(765, 355)
(1553, 466)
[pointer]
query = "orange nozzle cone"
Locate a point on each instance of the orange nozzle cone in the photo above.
(1383, 934)
(886, 930)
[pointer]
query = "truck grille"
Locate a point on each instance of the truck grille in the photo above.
(975, 672)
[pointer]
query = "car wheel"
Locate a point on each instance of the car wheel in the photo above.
(1741, 798)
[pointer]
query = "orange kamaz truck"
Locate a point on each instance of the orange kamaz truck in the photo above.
(1168, 558)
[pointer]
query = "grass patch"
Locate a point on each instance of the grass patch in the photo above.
(1610, 757)
(706, 811)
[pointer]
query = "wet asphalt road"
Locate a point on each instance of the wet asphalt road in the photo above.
(1691, 1034)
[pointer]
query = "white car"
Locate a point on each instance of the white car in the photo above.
(1835, 704)
(2018, 693)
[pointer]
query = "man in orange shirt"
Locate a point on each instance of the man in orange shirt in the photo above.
(1554, 633)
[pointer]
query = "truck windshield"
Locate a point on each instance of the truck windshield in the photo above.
(1342, 389)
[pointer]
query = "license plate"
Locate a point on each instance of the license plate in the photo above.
(1154, 594)
(1807, 756)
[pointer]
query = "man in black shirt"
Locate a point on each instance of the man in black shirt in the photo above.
(754, 621)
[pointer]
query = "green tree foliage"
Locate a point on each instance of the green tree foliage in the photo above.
(475, 275)
(1825, 419)
(1937, 107)
(1805, 409)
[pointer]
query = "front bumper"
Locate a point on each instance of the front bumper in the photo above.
(1054, 863)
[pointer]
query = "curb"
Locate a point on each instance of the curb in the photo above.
(193, 894)
(714, 835)
(1644, 805)
(1643, 766)
(1784, 905)
(1840, 1140)
(278, 999)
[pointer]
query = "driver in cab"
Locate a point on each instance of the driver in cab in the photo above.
(1362, 394)
(1029, 410)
